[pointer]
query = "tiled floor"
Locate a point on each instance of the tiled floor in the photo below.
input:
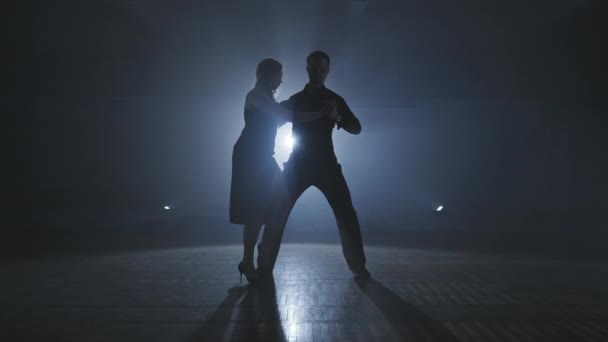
(192, 294)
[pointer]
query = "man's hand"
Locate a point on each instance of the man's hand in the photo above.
(330, 109)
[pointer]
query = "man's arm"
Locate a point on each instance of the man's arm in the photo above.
(346, 119)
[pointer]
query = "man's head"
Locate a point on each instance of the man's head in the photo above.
(269, 73)
(317, 66)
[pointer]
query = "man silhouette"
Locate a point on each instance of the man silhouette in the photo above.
(314, 163)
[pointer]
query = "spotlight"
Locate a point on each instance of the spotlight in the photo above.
(439, 208)
(167, 207)
(289, 141)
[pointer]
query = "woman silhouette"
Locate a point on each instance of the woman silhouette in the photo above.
(254, 169)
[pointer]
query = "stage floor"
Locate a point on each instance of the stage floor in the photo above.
(193, 294)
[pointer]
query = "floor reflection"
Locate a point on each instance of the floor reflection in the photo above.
(418, 295)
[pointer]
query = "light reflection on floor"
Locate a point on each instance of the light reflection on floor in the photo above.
(192, 294)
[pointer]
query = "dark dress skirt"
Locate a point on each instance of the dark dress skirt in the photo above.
(253, 166)
(251, 186)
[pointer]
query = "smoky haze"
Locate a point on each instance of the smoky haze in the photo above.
(492, 110)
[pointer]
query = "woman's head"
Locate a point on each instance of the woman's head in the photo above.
(269, 73)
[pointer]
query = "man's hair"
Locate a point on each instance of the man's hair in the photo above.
(266, 68)
(317, 55)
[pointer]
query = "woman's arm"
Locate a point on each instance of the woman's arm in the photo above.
(299, 116)
(283, 111)
(307, 116)
(267, 104)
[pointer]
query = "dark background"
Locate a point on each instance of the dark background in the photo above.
(494, 109)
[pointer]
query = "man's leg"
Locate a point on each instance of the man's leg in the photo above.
(287, 188)
(334, 187)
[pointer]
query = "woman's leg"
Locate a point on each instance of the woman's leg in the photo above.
(250, 237)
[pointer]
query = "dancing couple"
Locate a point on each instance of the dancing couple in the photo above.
(262, 195)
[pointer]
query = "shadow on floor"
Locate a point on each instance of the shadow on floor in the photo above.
(249, 313)
(214, 327)
(407, 321)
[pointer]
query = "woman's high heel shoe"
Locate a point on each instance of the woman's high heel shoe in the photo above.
(250, 273)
